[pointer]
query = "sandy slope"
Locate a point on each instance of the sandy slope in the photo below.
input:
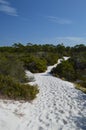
(58, 106)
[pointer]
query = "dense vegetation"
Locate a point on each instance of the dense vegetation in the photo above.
(10, 89)
(12, 79)
(64, 70)
(14, 60)
(74, 69)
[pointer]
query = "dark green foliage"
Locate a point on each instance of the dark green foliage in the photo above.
(65, 70)
(75, 68)
(83, 83)
(81, 86)
(14, 90)
(51, 58)
(34, 64)
(12, 79)
(37, 65)
(12, 66)
(62, 51)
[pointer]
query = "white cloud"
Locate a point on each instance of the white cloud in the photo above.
(71, 40)
(6, 8)
(67, 41)
(59, 20)
(4, 2)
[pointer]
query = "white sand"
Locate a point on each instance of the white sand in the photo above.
(58, 106)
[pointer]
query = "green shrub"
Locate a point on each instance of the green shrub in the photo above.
(81, 86)
(35, 64)
(12, 66)
(51, 58)
(14, 90)
(64, 70)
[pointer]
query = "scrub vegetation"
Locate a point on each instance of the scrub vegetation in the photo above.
(14, 60)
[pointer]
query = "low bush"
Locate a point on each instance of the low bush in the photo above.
(14, 90)
(81, 86)
(12, 66)
(34, 64)
(64, 70)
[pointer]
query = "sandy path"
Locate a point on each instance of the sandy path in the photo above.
(58, 106)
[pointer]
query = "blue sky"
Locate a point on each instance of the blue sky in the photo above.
(43, 22)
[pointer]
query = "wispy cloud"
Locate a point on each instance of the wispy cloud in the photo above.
(7, 8)
(4, 2)
(59, 20)
(71, 40)
(67, 41)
